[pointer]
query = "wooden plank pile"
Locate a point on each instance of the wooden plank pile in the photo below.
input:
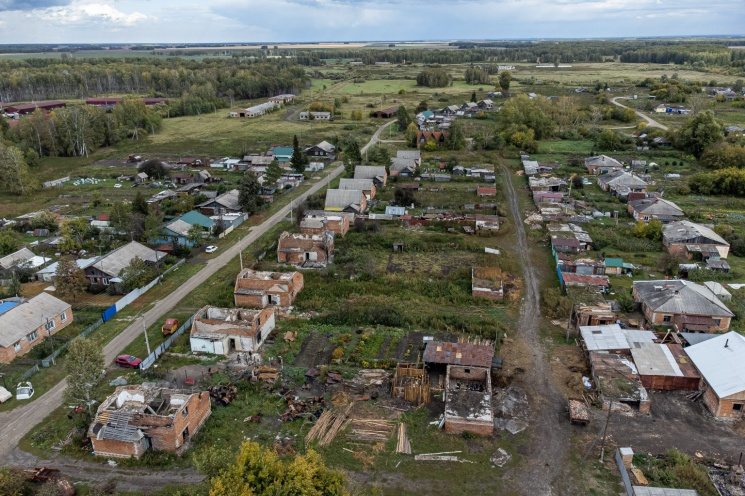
(578, 413)
(403, 445)
(329, 424)
(371, 430)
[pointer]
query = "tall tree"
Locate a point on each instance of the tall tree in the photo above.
(456, 139)
(473, 97)
(136, 274)
(402, 118)
(194, 234)
(505, 78)
(10, 241)
(249, 189)
(695, 135)
(299, 159)
(119, 216)
(257, 471)
(412, 131)
(69, 280)
(73, 233)
(84, 367)
(352, 157)
(139, 204)
(17, 178)
(272, 174)
(154, 169)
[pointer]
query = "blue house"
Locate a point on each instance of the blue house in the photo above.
(177, 231)
(283, 154)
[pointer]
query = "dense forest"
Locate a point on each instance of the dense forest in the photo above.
(68, 77)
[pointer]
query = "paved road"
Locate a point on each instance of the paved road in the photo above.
(650, 122)
(542, 471)
(16, 423)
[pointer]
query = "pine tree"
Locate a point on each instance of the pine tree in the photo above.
(299, 159)
(249, 189)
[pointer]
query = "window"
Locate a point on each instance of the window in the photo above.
(737, 407)
(33, 336)
(63, 317)
(667, 318)
(718, 322)
(49, 325)
(17, 346)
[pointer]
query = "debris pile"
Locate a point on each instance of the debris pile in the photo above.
(223, 394)
(297, 407)
(267, 374)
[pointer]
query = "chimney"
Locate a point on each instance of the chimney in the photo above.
(726, 343)
(677, 293)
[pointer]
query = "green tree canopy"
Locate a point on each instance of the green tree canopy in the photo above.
(505, 78)
(69, 280)
(17, 177)
(136, 274)
(299, 159)
(10, 241)
(155, 169)
(84, 367)
(699, 132)
(249, 189)
(402, 118)
(273, 173)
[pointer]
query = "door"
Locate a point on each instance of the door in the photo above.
(312, 256)
(231, 344)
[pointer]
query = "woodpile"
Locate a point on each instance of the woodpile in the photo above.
(267, 374)
(297, 408)
(411, 383)
(371, 430)
(224, 394)
(328, 425)
(403, 445)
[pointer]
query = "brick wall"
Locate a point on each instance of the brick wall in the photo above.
(8, 354)
(171, 437)
(459, 426)
(111, 448)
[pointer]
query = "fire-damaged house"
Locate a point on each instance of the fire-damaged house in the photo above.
(318, 221)
(486, 282)
(462, 370)
(306, 249)
(259, 289)
(135, 419)
(221, 331)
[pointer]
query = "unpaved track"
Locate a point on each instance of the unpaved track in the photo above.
(544, 465)
(650, 122)
(16, 423)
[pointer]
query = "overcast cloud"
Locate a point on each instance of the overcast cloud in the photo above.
(128, 21)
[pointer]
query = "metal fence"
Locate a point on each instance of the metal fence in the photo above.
(147, 362)
(45, 362)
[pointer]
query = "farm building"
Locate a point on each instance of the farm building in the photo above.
(486, 222)
(221, 331)
(257, 289)
(365, 185)
(647, 209)
(439, 354)
(486, 282)
(29, 108)
(548, 184)
(468, 400)
(694, 241)
(316, 116)
(135, 419)
(377, 173)
(721, 363)
(345, 200)
(25, 323)
(315, 222)
(618, 382)
(385, 113)
(662, 301)
(664, 367)
(602, 164)
(306, 249)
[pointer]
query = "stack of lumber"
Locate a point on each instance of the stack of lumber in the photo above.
(329, 424)
(371, 430)
(404, 445)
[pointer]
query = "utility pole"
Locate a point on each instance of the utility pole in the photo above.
(605, 431)
(144, 330)
(51, 342)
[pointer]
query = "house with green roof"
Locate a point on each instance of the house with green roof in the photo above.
(177, 230)
(283, 154)
(617, 267)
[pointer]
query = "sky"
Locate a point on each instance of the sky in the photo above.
(191, 21)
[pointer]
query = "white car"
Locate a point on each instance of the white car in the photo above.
(24, 391)
(210, 249)
(117, 185)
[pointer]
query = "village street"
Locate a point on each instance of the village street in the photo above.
(17, 423)
(650, 122)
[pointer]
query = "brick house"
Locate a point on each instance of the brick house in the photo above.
(694, 241)
(300, 249)
(468, 401)
(665, 301)
(317, 223)
(721, 363)
(221, 331)
(138, 418)
(257, 289)
(25, 323)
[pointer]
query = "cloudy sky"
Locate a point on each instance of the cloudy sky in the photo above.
(143, 21)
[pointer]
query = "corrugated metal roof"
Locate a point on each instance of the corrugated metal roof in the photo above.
(342, 198)
(655, 359)
(723, 367)
(681, 297)
(369, 171)
(612, 337)
(113, 262)
(358, 184)
(656, 206)
(25, 318)
(695, 338)
(685, 230)
(16, 258)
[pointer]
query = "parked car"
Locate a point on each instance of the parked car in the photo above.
(169, 327)
(128, 361)
(24, 391)
(211, 249)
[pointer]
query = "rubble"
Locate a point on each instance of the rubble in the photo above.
(297, 408)
(500, 458)
(223, 394)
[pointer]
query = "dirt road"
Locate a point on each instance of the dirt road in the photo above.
(650, 122)
(543, 470)
(16, 423)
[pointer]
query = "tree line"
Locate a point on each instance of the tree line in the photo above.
(42, 79)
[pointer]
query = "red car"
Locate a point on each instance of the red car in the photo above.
(128, 361)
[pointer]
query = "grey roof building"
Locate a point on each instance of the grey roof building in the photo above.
(655, 208)
(602, 164)
(375, 172)
(345, 200)
(686, 238)
(621, 183)
(110, 265)
(227, 202)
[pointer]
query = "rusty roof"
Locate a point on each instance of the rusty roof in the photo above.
(475, 355)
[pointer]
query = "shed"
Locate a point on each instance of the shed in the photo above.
(665, 367)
